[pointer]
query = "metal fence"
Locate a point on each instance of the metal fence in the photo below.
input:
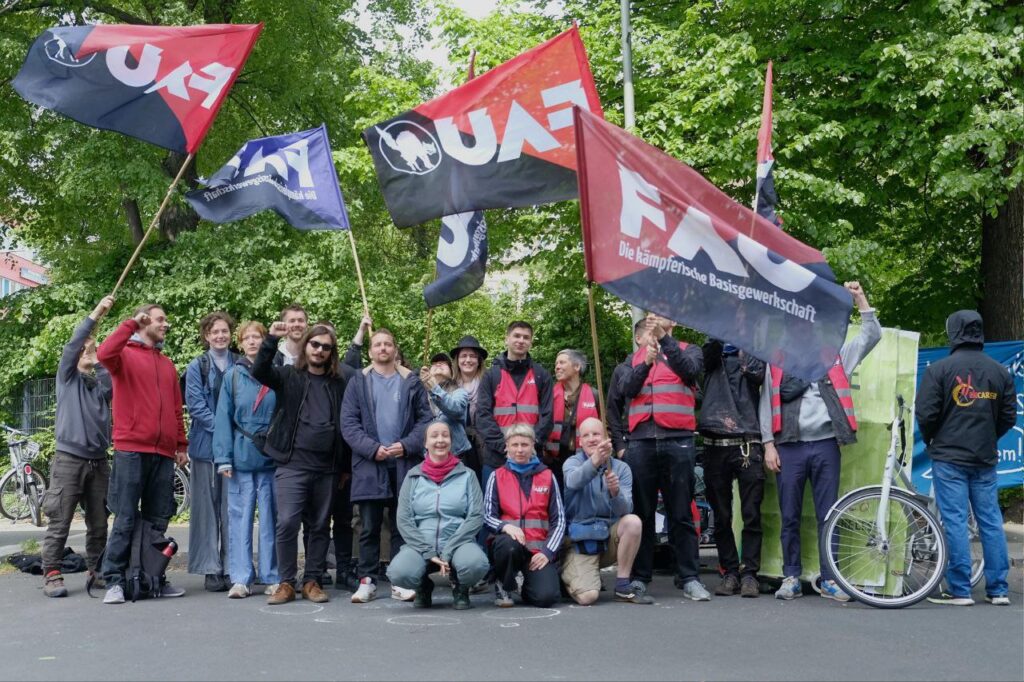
(32, 407)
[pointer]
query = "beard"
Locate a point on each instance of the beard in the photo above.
(316, 362)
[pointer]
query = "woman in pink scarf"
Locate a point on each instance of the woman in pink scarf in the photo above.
(440, 511)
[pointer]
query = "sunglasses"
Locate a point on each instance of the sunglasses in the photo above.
(325, 347)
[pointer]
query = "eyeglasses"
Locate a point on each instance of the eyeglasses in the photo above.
(325, 347)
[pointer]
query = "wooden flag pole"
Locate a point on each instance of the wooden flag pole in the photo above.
(152, 225)
(359, 275)
(597, 355)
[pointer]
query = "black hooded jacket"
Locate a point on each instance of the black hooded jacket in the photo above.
(965, 401)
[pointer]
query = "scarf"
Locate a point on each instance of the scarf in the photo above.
(437, 472)
(524, 468)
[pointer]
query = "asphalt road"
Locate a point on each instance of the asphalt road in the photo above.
(206, 636)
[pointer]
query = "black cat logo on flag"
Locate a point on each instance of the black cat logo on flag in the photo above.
(503, 140)
(161, 84)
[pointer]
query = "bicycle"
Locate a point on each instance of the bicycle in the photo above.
(182, 490)
(22, 487)
(884, 544)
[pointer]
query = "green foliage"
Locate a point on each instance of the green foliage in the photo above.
(897, 127)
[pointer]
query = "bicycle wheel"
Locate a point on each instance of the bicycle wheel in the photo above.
(977, 554)
(13, 504)
(35, 502)
(182, 491)
(902, 571)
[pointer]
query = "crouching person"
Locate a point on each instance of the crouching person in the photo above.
(602, 529)
(523, 508)
(440, 511)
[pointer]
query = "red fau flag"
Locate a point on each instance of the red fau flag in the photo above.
(502, 140)
(161, 84)
(660, 236)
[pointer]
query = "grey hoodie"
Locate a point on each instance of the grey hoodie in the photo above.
(83, 401)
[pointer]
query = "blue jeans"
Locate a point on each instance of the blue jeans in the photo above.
(954, 487)
(246, 490)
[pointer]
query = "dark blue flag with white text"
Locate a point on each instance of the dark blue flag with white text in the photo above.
(292, 175)
(461, 258)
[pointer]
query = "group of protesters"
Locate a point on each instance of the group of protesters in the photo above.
(494, 473)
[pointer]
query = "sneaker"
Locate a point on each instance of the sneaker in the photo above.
(829, 590)
(633, 595)
(239, 591)
(729, 586)
(480, 587)
(348, 579)
(311, 591)
(215, 583)
(283, 594)
(949, 600)
(791, 589)
(502, 599)
(169, 591)
(695, 591)
(749, 587)
(115, 595)
(402, 594)
(367, 592)
(271, 589)
(998, 600)
(54, 585)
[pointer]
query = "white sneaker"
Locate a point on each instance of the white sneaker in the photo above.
(271, 589)
(367, 592)
(115, 595)
(239, 591)
(1000, 600)
(402, 594)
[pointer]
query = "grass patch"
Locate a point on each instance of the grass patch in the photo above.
(7, 569)
(30, 546)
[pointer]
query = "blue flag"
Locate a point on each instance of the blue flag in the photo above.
(461, 258)
(292, 175)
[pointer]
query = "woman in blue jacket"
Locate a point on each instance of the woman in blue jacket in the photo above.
(207, 524)
(243, 411)
(440, 511)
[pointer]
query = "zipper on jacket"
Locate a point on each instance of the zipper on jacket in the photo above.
(160, 406)
(437, 511)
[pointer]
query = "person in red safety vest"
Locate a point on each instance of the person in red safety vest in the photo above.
(660, 395)
(572, 402)
(514, 390)
(802, 426)
(523, 508)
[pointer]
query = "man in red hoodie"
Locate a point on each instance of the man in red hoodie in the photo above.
(149, 437)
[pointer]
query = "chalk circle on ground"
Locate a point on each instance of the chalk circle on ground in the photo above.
(512, 624)
(424, 619)
(294, 610)
(331, 618)
(522, 614)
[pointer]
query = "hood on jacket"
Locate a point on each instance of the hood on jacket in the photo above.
(965, 327)
(136, 339)
(502, 361)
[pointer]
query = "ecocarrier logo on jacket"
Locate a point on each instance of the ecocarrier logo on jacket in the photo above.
(964, 394)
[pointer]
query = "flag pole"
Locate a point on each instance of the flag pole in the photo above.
(153, 224)
(628, 106)
(597, 354)
(359, 275)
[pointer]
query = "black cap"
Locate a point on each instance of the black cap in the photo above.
(442, 357)
(469, 342)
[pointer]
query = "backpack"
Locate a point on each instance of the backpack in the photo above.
(149, 555)
(204, 373)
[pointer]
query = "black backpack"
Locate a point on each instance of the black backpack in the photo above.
(204, 373)
(150, 554)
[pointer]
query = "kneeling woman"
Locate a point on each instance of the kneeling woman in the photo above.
(523, 507)
(440, 511)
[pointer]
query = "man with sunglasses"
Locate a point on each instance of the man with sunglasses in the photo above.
(304, 438)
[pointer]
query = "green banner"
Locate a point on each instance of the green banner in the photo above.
(889, 369)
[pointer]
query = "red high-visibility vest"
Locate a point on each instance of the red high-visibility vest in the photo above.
(664, 397)
(529, 513)
(840, 382)
(586, 407)
(516, 405)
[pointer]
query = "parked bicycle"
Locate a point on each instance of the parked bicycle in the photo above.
(182, 490)
(22, 487)
(885, 544)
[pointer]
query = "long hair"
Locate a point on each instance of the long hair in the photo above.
(331, 369)
(457, 374)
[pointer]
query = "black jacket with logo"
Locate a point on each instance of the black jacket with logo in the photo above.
(966, 401)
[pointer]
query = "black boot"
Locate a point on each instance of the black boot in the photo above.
(460, 598)
(424, 594)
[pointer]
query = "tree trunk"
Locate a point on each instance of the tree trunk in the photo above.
(131, 212)
(1002, 269)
